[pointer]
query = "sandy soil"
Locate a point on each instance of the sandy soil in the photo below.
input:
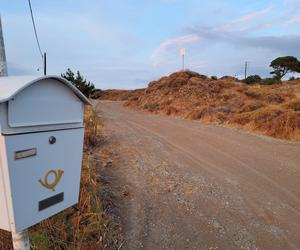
(185, 185)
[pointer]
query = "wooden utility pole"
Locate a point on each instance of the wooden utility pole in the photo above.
(3, 65)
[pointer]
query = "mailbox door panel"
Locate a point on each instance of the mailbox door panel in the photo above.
(44, 171)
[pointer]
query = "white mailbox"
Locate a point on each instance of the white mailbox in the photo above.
(41, 144)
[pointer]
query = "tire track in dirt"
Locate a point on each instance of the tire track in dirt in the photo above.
(240, 163)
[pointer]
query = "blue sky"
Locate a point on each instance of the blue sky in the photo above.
(126, 44)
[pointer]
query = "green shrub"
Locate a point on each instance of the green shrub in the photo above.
(292, 78)
(270, 81)
(214, 77)
(87, 88)
(253, 79)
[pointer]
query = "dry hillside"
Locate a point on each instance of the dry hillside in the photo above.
(272, 110)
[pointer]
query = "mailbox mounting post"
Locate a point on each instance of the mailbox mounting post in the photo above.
(21, 240)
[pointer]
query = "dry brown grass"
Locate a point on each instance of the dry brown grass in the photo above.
(271, 121)
(5, 240)
(85, 225)
(293, 105)
(92, 128)
(271, 110)
(116, 95)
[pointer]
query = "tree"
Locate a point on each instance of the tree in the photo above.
(87, 88)
(284, 65)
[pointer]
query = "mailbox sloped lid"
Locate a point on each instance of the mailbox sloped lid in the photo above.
(11, 86)
(44, 104)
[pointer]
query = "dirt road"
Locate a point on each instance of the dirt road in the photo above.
(185, 185)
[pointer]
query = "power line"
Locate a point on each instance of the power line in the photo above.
(35, 32)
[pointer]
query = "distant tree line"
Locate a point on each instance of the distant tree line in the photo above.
(281, 66)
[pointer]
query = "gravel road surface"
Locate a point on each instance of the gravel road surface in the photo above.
(181, 184)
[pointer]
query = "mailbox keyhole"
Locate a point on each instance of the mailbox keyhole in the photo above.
(52, 139)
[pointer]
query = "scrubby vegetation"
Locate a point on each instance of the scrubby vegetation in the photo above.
(86, 87)
(267, 109)
(281, 66)
(268, 106)
(253, 79)
(270, 81)
(115, 94)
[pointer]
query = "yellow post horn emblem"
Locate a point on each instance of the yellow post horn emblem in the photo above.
(57, 177)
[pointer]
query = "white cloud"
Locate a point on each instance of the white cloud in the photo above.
(167, 46)
(294, 20)
(173, 43)
(245, 19)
